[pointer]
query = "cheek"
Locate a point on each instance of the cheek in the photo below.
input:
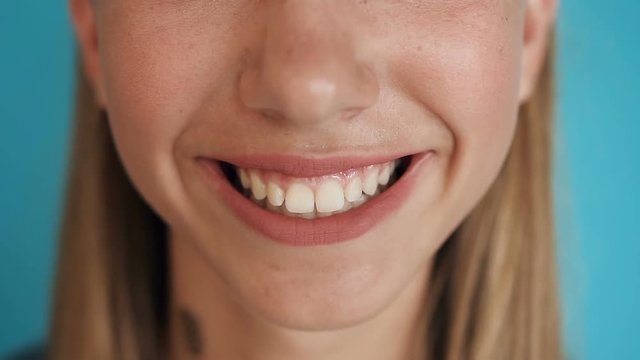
(473, 90)
(159, 70)
(467, 78)
(150, 93)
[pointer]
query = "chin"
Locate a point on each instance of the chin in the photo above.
(320, 305)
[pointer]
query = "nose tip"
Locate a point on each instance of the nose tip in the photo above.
(305, 70)
(309, 95)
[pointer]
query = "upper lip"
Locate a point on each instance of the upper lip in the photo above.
(300, 166)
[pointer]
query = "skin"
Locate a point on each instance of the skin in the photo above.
(182, 78)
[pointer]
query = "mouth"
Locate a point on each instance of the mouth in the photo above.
(302, 202)
(313, 197)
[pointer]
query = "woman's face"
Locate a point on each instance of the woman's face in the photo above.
(288, 87)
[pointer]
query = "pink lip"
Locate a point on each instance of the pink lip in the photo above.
(320, 231)
(297, 166)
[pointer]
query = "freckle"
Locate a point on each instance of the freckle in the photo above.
(419, 48)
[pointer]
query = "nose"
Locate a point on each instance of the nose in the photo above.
(305, 69)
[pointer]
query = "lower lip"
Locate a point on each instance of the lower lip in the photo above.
(333, 229)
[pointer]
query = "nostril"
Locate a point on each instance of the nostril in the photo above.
(329, 83)
(351, 113)
(272, 114)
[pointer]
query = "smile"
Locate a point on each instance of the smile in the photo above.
(298, 201)
(316, 196)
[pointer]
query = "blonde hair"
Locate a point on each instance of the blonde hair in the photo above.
(493, 293)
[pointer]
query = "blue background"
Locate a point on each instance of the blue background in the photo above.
(598, 170)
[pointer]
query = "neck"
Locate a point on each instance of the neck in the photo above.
(206, 323)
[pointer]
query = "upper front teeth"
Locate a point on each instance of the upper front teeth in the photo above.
(275, 194)
(329, 196)
(299, 199)
(353, 190)
(315, 196)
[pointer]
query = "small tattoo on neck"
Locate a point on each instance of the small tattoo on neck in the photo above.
(192, 334)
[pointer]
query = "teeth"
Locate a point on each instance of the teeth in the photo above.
(370, 181)
(353, 190)
(244, 178)
(347, 206)
(275, 194)
(299, 199)
(317, 197)
(385, 174)
(258, 188)
(329, 196)
(363, 198)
